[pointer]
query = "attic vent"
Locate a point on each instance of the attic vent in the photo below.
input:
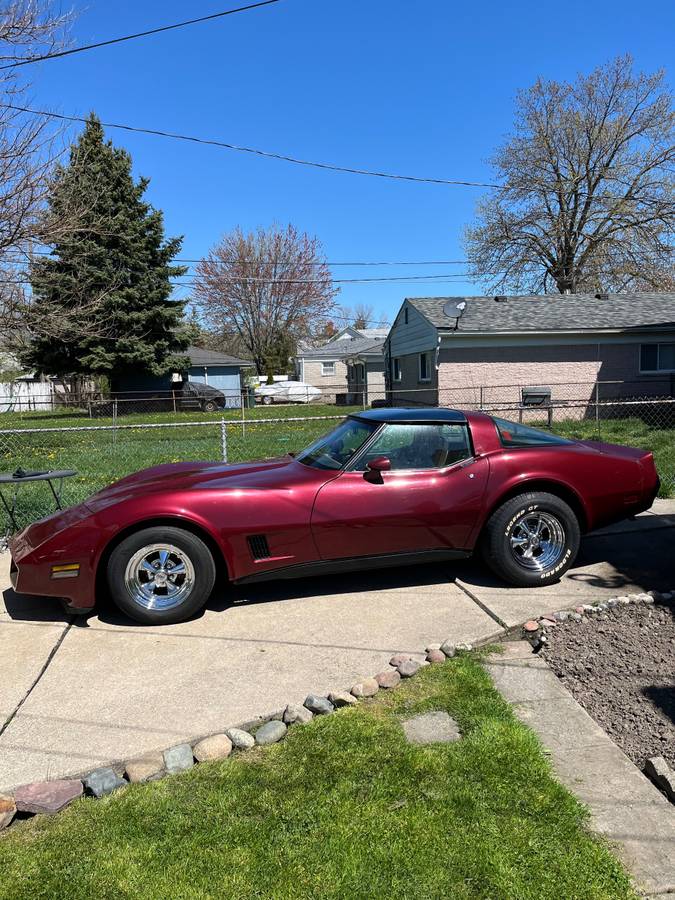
(602, 296)
(501, 298)
(257, 544)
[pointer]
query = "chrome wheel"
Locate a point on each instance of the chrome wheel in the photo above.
(159, 576)
(537, 541)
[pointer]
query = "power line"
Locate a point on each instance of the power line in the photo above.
(264, 153)
(139, 34)
(254, 279)
(267, 154)
(409, 262)
(431, 279)
(179, 259)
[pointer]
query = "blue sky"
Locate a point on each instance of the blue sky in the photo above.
(421, 88)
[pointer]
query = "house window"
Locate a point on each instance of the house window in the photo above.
(425, 367)
(328, 368)
(405, 315)
(657, 357)
(396, 369)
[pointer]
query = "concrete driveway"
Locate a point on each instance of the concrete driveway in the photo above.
(77, 693)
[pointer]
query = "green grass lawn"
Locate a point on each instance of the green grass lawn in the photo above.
(344, 808)
(64, 417)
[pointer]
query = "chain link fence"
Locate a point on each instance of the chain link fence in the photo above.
(101, 454)
(103, 450)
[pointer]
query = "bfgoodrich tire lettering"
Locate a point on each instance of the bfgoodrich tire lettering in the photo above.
(161, 575)
(531, 539)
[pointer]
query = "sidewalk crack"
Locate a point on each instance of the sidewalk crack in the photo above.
(38, 677)
(486, 609)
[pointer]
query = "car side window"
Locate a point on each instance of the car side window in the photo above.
(418, 446)
(515, 434)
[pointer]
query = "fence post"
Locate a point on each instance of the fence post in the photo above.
(114, 421)
(481, 398)
(597, 409)
(223, 439)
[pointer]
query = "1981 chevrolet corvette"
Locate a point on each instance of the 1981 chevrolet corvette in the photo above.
(385, 487)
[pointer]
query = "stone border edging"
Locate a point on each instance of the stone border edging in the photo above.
(534, 630)
(51, 797)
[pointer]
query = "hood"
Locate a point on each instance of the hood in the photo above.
(192, 474)
(264, 474)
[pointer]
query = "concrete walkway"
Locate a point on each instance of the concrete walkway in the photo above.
(76, 693)
(625, 807)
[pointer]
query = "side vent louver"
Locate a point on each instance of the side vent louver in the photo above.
(257, 544)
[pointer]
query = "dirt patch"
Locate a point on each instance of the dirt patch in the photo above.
(620, 666)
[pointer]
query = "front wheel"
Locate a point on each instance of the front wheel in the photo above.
(210, 406)
(531, 539)
(161, 575)
(267, 400)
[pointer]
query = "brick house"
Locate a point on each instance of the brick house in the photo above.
(484, 350)
(351, 362)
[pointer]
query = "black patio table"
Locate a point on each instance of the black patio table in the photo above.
(22, 476)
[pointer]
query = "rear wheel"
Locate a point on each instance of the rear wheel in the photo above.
(532, 539)
(267, 400)
(161, 575)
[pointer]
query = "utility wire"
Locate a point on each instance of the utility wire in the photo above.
(139, 34)
(179, 259)
(256, 279)
(265, 153)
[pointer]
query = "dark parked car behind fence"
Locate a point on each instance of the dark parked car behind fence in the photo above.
(189, 396)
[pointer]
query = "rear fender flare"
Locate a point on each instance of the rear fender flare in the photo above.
(525, 486)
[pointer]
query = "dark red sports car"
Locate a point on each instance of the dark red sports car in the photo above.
(385, 487)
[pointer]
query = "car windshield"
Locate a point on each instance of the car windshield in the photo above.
(335, 449)
(514, 434)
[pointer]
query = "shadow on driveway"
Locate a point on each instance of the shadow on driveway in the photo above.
(636, 555)
(226, 596)
(628, 557)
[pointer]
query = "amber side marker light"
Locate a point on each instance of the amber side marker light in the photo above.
(69, 570)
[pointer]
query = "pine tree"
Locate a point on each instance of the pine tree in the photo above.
(114, 270)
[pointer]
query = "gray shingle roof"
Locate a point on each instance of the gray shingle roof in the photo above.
(199, 357)
(344, 348)
(373, 333)
(552, 312)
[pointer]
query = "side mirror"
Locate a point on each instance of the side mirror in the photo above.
(375, 467)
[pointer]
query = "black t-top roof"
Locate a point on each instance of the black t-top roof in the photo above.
(401, 414)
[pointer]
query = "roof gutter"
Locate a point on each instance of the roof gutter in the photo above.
(632, 329)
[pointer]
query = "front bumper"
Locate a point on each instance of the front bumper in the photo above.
(34, 553)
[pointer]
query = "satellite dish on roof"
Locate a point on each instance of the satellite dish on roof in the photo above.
(453, 309)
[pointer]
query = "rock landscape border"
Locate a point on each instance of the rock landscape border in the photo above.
(50, 797)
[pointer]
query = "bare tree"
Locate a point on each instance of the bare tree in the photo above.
(361, 315)
(268, 287)
(588, 197)
(29, 145)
